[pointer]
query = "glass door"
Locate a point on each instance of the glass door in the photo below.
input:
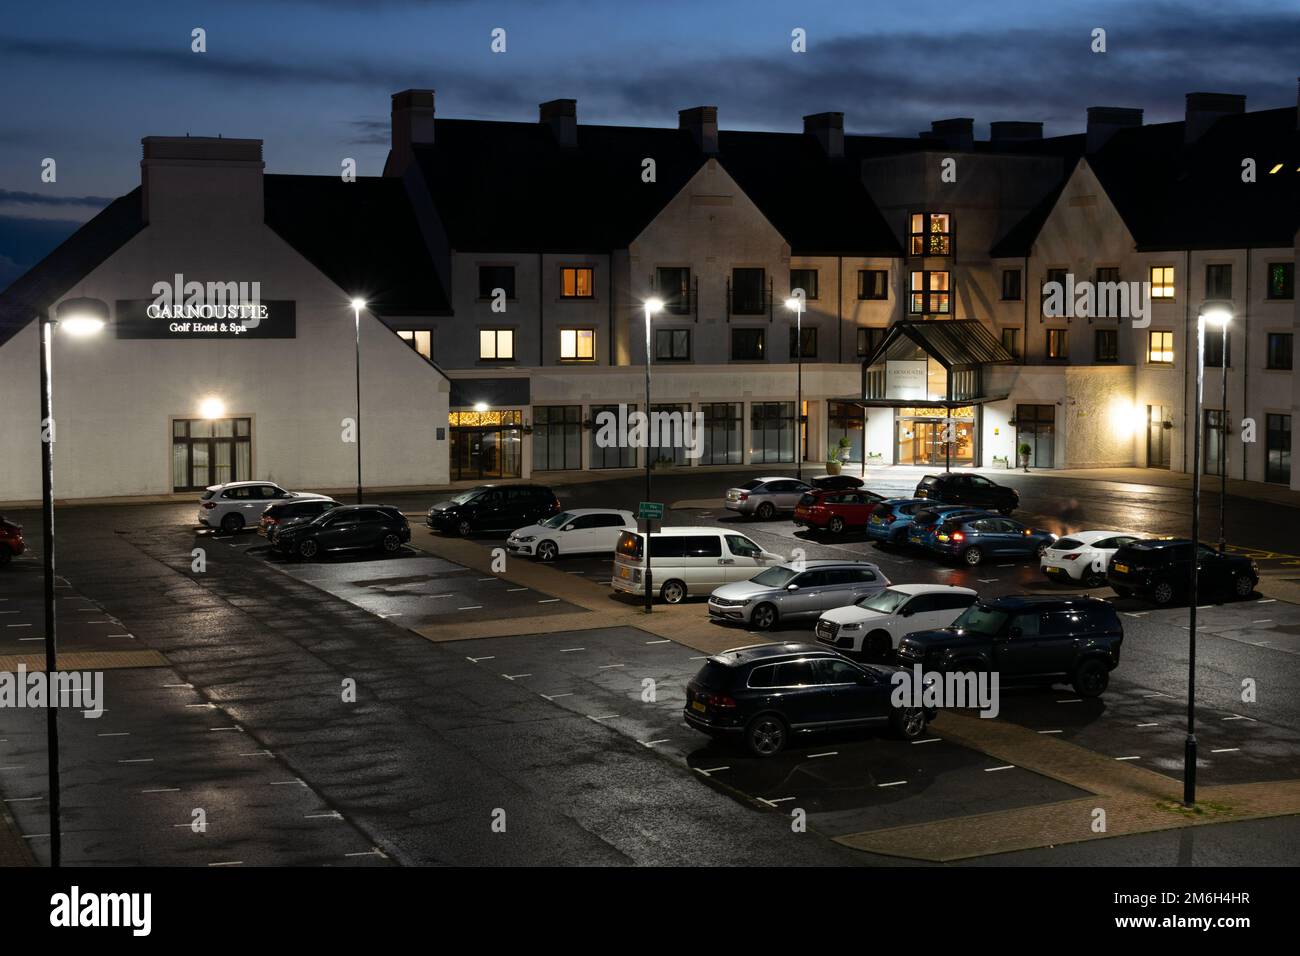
(1157, 437)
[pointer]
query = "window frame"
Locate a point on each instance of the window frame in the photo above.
(926, 231)
(591, 282)
(862, 285)
(1171, 284)
(808, 332)
(671, 333)
(496, 343)
(1268, 351)
(928, 294)
(1288, 269)
(809, 295)
(511, 289)
(1112, 356)
(761, 338)
(1064, 335)
(1019, 285)
(1153, 350)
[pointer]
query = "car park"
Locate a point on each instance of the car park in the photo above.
(346, 528)
(574, 531)
(11, 540)
(955, 488)
(765, 695)
(493, 508)
(926, 522)
(836, 511)
(294, 510)
(1026, 638)
(687, 561)
(1161, 569)
(239, 504)
(890, 519)
(795, 592)
(872, 627)
(765, 498)
(971, 539)
(1083, 556)
(835, 482)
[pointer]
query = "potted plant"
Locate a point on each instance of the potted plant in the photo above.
(663, 463)
(846, 448)
(833, 466)
(1025, 451)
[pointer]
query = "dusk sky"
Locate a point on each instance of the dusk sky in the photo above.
(85, 81)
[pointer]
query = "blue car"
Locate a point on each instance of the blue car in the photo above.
(927, 521)
(888, 523)
(971, 539)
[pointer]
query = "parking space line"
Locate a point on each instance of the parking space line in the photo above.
(1071, 700)
(1147, 696)
(472, 607)
(226, 862)
(606, 666)
(375, 852)
(258, 753)
(1009, 766)
(121, 733)
(163, 790)
(511, 590)
(1128, 758)
(829, 753)
(651, 743)
(928, 740)
(493, 578)
(288, 783)
(603, 717)
(515, 676)
(711, 770)
(1148, 725)
(664, 641)
(1267, 601)
(133, 760)
(1265, 620)
(570, 650)
(475, 660)
(331, 815)
(1225, 750)
(892, 783)
(550, 601)
(1239, 717)
(555, 696)
(773, 803)
(23, 799)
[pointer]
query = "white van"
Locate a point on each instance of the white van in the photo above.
(687, 562)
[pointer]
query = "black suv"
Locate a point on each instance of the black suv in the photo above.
(1161, 568)
(974, 490)
(1026, 638)
(346, 528)
(493, 508)
(765, 693)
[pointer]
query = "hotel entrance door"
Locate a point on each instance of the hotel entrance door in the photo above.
(485, 445)
(921, 437)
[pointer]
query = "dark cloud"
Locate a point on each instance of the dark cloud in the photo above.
(46, 199)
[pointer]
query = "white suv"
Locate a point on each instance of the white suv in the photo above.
(873, 627)
(239, 504)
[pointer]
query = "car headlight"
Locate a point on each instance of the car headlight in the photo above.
(526, 538)
(850, 627)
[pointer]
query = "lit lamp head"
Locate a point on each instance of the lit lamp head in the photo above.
(1216, 313)
(654, 306)
(212, 407)
(481, 407)
(81, 317)
(358, 304)
(794, 303)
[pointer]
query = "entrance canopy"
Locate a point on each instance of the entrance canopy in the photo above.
(936, 362)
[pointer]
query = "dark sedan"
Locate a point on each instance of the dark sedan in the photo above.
(11, 540)
(493, 508)
(765, 694)
(959, 489)
(306, 508)
(972, 538)
(346, 528)
(1161, 569)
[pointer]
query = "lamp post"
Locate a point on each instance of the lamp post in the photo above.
(652, 307)
(1217, 313)
(796, 303)
(357, 306)
(80, 318)
(1223, 426)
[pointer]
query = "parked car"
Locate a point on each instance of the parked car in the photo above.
(1084, 556)
(493, 508)
(793, 592)
(346, 528)
(1026, 637)
(1160, 569)
(766, 497)
(765, 694)
(835, 482)
(891, 518)
(836, 511)
(686, 562)
(972, 538)
(872, 627)
(959, 489)
(576, 531)
(285, 511)
(239, 504)
(11, 540)
(927, 521)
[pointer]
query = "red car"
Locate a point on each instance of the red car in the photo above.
(11, 540)
(836, 511)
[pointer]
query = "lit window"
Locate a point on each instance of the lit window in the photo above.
(931, 234)
(496, 344)
(576, 283)
(1058, 345)
(1281, 280)
(929, 293)
(419, 339)
(577, 345)
(1162, 282)
(1160, 348)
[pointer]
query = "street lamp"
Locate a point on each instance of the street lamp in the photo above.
(653, 307)
(796, 303)
(1220, 314)
(80, 318)
(357, 306)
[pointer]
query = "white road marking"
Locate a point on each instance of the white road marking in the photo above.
(224, 862)
(892, 783)
(1149, 725)
(163, 790)
(258, 753)
(928, 740)
(570, 650)
(17, 625)
(119, 734)
(1267, 601)
(1009, 766)
(1136, 613)
(1225, 750)
(1071, 700)
(472, 607)
(664, 641)
(651, 743)
(288, 783)
(209, 706)
(554, 696)
(121, 635)
(711, 770)
(134, 760)
(23, 799)
(829, 753)
(21, 639)
(550, 601)
(511, 590)
(475, 660)
(772, 803)
(375, 852)
(1145, 696)
(493, 578)
(987, 580)
(606, 666)
(1239, 717)
(331, 815)
(1266, 620)
(1128, 758)
(177, 685)
(215, 729)
(604, 717)
(1259, 643)
(515, 676)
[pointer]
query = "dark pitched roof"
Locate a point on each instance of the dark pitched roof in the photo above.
(363, 235)
(511, 187)
(37, 289)
(1019, 239)
(953, 343)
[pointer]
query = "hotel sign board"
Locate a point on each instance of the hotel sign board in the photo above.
(907, 379)
(146, 319)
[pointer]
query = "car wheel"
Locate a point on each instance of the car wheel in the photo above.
(1094, 579)
(1163, 593)
(972, 556)
(5, 555)
(1243, 585)
(1007, 510)
(547, 551)
(836, 525)
(673, 592)
(766, 511)
(766, 735)
(308, 549)
(391, 543)
(464, 528)
(909, 722)
(1121, 592)
(232, 523)
(1091, 678)
(763, 618)
(878, 645)
(1040, 550)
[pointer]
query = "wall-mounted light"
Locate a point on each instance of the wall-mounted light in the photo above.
(212, 407)
(82, 316)
(481, 407)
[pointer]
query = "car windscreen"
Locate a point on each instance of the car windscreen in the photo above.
(558, 521)
(715, 675)
(886, 601)
(981, 619)
(465, 497)
(630, 545)
(774, 577)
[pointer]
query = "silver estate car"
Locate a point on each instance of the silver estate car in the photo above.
(795, 591)
(765, 497)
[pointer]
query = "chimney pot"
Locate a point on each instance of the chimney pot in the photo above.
(958, 133)
(828, 130)
(702, 123)
(1205, 109)
(562, 117)
(1105, 121)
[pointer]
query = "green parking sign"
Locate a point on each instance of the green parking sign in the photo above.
(650, 509)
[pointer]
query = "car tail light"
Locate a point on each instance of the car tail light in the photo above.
(958, 536)
(209, 505)
(1069, 557)
(742, 496)
(719, 700)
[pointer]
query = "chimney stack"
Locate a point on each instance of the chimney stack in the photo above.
(953, 133)
(190, 182)
(828, 130)
(562, 117)
(1205, 109)
(412, 126)
(1105, 121)
(1014, 131)
(702, 123)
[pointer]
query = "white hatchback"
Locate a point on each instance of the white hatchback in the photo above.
(1084, 555)
(874, 625)
(575, 531)
(239, 504)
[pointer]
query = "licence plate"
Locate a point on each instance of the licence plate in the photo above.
(624, 572)
(876, 519)
(696, 705)
(1122, 568)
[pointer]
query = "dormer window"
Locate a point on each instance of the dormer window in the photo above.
(931, 234)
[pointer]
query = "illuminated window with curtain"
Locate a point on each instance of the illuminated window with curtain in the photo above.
(577, 345)
(496, 345)
(419, 339)
(931, 234)
(1058, 345)
(1160, 348)
(1281, 280)
(1162, 282)
(930, 294)
(576, 283)
(210, 452)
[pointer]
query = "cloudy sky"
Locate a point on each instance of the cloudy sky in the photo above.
(84, 80)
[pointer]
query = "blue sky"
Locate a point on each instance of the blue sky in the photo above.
(84, 81)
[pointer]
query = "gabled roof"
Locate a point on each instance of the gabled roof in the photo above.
(1019, 239)
(953, 343)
